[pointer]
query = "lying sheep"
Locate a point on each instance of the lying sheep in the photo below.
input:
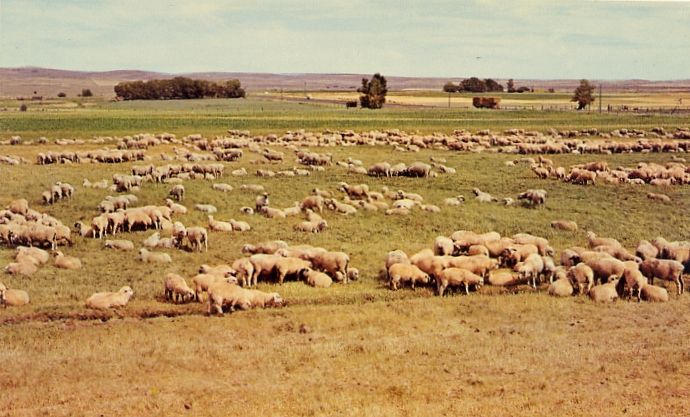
(153, 257)
(561, 288)
(66, 262)
(176, 289)
(400, 273)
(13, 298)
(451, 277)
(119, 244)
(206, 208)
(654, 293)
(565, 225)
(38, 254)
(316, 279)
(106, 300)
(25, 268)
(605, 292)
(502, 278)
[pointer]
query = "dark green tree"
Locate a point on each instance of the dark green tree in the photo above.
(449, 87)
(473, 85)
(373, 92)
(583, 94)
(86, 92)
(510, 85)
(61, 94)
(492, 85)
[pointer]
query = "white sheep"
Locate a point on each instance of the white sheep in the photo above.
(105, 300)
(147, 256)
(176, 288)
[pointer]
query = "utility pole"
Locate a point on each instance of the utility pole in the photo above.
(449, 99)
(599, 98)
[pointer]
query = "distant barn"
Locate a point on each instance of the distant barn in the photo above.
(486, 102)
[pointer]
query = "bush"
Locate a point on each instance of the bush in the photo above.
(62, 95)
(178, 88)
(23, 107)
(86, 92)
(373, 92)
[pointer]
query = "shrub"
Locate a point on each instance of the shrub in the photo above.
(23, 107)
(86, 92)
(61, 94)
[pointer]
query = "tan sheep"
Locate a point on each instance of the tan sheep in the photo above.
(239, 226)
(176, 289)
(153, 257)
(219, 226)
(654, 293)
(13, 297)
(565, 225)
(224, 294)
(119, 244)
(605, 292)
(645, 250)
(66, 262)
(316, 279)
(289, 266)
(400, 273)
(606, 267)
(530, 268)
(106, 300)
(560, 288)
(443, 246)
(581, 277)
(244, 270)
(25, 267)
(665, 269)
(40, 255)
(332, 262)
(502, 278)
(197, 237)
(202, 282)
(633, 280)
(595, 241)
(451, 277)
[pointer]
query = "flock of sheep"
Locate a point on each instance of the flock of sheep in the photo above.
(464, 259)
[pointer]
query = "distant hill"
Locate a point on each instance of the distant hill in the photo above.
(48, 82)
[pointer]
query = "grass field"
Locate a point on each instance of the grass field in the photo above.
(349, 350)
(88, 118)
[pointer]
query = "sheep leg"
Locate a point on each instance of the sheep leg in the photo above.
(467, 288)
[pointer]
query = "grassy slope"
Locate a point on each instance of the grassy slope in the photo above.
(212, 117)
(371, 351)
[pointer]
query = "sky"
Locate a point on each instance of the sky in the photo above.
(525, 39)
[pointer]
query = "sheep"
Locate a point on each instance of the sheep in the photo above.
(219, 226)
(646, 250)
(581, 276)
(315, 279)
(665, 269)
(533, 197)
(313, 202)
(244, 270)
(206, 208)
(633, 279)
(263, 299)
(530, 268)
(247, 210)
(119, 244)
(483, 197)
(396, 257)
(158, 257)
(285, 266)
(152, 241)
(430, 208)
(400, 273)
(618, 253)
(226, 294)
(177, 192)
(269, 247)
(261, 202)
(560, 288)
(565, 225)
(454, 201)
(175, 207)
(19, 206)
(595, 241)
(264, 264)
(311, 227)
(106, 300)
(332, 262)
(455, 277)
(542, 244)
(222, 187)
(176, 289)
(13, 297)
(25, 268)
(443, 246)
(653, 293)
(203, 282)
(605, 292)
(659, 197)
(197, 237)
(354, 191)
(66, 262)
(38, 254)
(239, 226)
(605, 267)
(502, 278)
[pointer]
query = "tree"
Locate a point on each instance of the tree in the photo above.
(23, 107)
(373, 92)
(61, 94)
(474, 85)
(511, 86)
(449, 87)
(86, 92)
(583, 94)
(492, 85)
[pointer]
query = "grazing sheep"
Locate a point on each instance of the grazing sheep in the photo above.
(261, 202)
(13, 298)
(560, 288)
(400, 273)
(197, 237)
(581, 277)
(646, 250)
(443, 246)
(653, 293)
(451, 277)
(530, 268)
(605, 267)
(332, 262)
(532, 197)
(177, 192)
(605, 292)
(66, 262)
(106, 300)
(665, 269)
(595, 241)
(226, 294)
(119, 244)
(313, 202)
(153, 257)
(244, 271)
(176, 289)
(633, 280)
(316, 279)
(269, 247)
(286, 266)
(566, 225)
(203, 282)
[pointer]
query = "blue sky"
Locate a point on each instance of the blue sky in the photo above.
(487, 38)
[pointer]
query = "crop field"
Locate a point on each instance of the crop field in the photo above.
(356, 349)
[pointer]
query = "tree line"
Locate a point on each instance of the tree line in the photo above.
(477, 85)
(178, 88)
